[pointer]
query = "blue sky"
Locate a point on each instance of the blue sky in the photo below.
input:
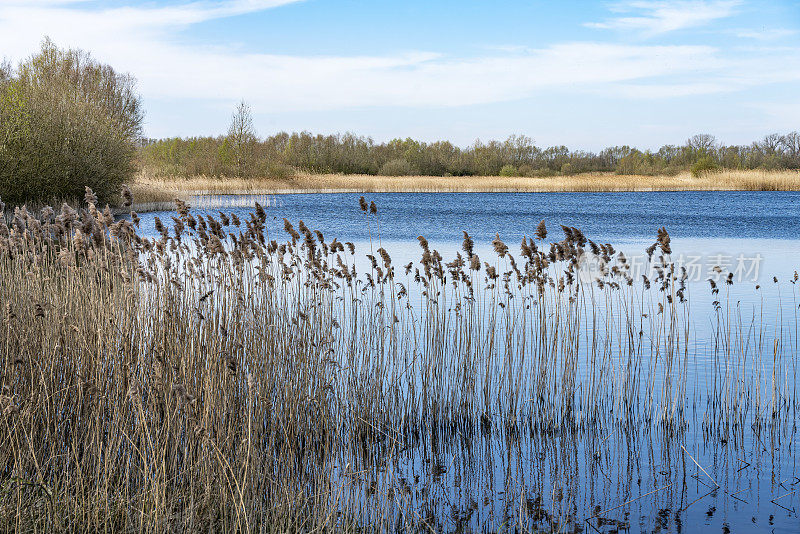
(583, 74)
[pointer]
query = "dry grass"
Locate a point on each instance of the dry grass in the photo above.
(719, 181)
(153, 196)
(222, 378)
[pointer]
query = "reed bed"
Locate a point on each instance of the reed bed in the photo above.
(728, 180)
(152, 196)
(227, 376)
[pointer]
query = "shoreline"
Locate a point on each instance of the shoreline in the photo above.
(157, 192)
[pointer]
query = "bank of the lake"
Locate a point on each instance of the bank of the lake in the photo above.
(149, 188)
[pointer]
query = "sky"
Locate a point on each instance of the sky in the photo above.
(582, 74)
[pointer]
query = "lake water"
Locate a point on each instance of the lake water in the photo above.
(755, 235)
(708, 224)
(638, 480)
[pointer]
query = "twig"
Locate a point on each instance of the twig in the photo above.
(697, 499)
(747, 464)
(781, 497)
(636, 499)
(700, 466)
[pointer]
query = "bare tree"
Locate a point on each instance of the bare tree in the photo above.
(791, 144)
(242, 137)
(6, 72)
(702, 143)
(771, 144)
(519, 149)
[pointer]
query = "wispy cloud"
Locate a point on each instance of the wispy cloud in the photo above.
(150, 42)
(766, 34)
(651, 18)
(126, 18)
(39, 2)
(421, 79)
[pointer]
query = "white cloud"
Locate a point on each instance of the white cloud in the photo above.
(38, 2)
(651, 18)
(771, 34)
(146, 41)
(75, 18)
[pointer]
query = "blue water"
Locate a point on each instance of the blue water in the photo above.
(607, 217)
(730, 229)
(711, 227)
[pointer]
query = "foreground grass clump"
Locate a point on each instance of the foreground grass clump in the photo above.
(218, 377)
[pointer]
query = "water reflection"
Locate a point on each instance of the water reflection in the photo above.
(731, 473)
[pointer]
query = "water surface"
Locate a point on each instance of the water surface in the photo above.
(640, 480)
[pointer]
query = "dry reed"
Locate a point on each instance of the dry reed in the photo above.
(217, 378)
(728, 180)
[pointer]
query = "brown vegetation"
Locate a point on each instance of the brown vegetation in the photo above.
(715, 181)
(218, 377)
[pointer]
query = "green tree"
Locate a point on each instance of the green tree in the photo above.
(508, 170)
(703, 165)
(66, 121)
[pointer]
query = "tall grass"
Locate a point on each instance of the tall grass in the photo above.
(220, 377)
(301, 182)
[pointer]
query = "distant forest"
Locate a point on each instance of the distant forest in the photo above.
(242, 154)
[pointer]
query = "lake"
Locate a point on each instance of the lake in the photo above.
(705, 223)
(710, 472)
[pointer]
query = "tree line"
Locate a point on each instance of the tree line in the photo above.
(241, 153)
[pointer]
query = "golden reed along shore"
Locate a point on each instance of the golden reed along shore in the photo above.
(155, 189)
